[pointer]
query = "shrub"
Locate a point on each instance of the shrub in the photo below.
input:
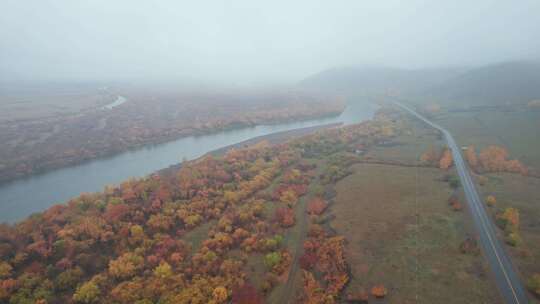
(285, 216)
(454, 182)
(491, 200)
(534, 283)
(87, 293)
(513, 239)
(379, 291)
(272, 259)
(316, 206)
(509, 219)
(246, 294)
(5, 270)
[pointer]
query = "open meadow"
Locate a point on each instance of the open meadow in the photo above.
(401, 231)
(516, 130)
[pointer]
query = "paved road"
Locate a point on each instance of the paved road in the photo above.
(506, 277)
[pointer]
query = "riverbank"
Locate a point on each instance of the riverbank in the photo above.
(119, 101)
(273, 138)
(22, 197)
(31, 147)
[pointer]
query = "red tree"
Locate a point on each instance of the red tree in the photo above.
(285, 216)
(116, 212)
(246, 294)
(307, 260)
(316, 206)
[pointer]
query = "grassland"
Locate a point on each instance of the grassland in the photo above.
(522, 193)
(407, 147)
(46, 101)
(401, 232)
(515, 128)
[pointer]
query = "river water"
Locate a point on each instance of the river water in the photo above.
(23, 197)
(119, 100)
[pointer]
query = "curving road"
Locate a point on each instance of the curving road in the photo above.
(506, 276)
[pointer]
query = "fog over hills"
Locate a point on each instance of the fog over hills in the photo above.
(516, 81)
(373, 79)
(498, 83)
(246, 42)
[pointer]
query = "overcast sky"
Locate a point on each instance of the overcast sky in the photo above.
(249, 41)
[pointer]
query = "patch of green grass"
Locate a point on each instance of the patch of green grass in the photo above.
(255, 269)
(196, 236)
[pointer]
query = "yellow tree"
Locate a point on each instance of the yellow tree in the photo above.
(126, 265)
(288, 197)
(5, 270)
(534, 284)
(509, 220)
(87, 293)
(220, 294)
(491, 200)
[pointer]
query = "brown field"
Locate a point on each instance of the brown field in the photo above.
(33, 102)
(416, 257)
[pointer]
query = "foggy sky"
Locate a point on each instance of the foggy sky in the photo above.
(249, 41)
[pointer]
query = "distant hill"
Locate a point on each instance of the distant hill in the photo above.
(377, 80)
(509, 82)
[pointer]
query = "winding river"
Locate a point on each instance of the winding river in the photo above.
(23, 197)
(119, 100)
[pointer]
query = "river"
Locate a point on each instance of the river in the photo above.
(23, 197)
(119, 100)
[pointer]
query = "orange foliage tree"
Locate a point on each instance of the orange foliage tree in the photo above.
(316, 206)
(470, 156)
(509, 219)
(124, 245)
(285, 216)
(453, 201)
(379, 291)
(126, 265)
(431, 156)
(495, 159)
(220, 294)
(446, 160)
(313, 292)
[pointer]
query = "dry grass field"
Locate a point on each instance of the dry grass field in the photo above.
(401, 232)
(42, 102)
(519, 192)
(515, 129)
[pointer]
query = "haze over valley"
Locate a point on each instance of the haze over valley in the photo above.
(284, 152)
